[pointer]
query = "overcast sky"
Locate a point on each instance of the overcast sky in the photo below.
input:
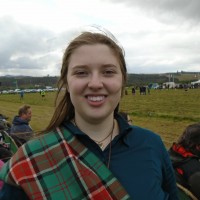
(158, 36)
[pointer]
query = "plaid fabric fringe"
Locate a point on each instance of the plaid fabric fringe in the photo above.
(58, 166)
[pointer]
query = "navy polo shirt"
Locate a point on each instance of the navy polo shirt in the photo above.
(139, 161)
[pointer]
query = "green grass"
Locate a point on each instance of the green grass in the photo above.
(166, 112)
(187, 77)
(42, 109)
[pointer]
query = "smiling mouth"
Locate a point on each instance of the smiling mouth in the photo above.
(95, 98)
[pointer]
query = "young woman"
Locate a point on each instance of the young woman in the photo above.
(88, 150)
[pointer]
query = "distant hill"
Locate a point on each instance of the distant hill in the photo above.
(179, 77)
(22, 82)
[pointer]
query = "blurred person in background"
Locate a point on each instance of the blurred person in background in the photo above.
(185, 157)
(21, 95)
(20, 130)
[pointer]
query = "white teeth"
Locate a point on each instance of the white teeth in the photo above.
(95, 98)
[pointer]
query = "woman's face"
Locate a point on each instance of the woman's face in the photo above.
(94, 81)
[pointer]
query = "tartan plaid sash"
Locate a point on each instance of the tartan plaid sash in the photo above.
(58, 166)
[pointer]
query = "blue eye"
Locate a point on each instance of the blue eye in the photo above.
(108, 72)
(81, 73)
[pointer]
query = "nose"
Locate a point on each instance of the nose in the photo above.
(95, 81)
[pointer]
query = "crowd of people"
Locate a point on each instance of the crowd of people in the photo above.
(90, 149)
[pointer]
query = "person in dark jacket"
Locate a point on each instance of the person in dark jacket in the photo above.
(185, 157)
(20, 129)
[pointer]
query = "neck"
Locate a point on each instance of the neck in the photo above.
(95, 130)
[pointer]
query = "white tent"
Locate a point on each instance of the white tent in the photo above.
(195, 82)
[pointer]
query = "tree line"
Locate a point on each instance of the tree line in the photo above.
(24, 82)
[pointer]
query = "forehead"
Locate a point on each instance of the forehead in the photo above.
(90, 54)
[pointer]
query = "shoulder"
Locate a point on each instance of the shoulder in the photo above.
(44, 140)
(48, 140)
(138, 136)
(144, 136)
(147, 143)
(20, 127)
(31, 149)
(134, 131)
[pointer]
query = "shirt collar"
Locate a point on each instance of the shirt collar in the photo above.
(124, 129)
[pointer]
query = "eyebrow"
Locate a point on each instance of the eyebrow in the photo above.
(104, 65)
(109, 65)
(78, 66)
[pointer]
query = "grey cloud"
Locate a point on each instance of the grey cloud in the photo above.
(167, 10)
(20, 38)
(26, 47)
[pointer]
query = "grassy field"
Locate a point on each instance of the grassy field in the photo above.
(166, 112)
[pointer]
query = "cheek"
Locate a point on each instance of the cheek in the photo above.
(116, 92)
(70, 85)
(116, 87)
(74, 87)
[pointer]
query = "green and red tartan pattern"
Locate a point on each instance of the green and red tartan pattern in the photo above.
(58, 167)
